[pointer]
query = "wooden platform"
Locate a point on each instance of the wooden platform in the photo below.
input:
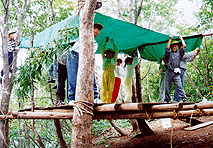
(120, 111)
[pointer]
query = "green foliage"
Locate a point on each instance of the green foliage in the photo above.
(201, 71)
(40, 60)
(45, 129)
(205, 15)
(99, 126)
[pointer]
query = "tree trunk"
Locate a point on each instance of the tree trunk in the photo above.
(134, 121)
(144, 128)
(6, 90)
(138, 83)
(149, 93)
(131, 11)
(27, 137)
(82, 125)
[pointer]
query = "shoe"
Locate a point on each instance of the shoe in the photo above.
(166, 101)
(51, 81)
(97, 100)
(60, 103)
(185, 99)
(71, 102)
(54, 87)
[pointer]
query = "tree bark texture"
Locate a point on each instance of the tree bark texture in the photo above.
(82, 125)
(6, 83)
(27, 137)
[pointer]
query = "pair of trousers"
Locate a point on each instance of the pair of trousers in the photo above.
(162, 87)
(10, 60)
(116, 89)
(173, 77)
(176, 96)
(128, 90)
(108, 80)
(53, 71)
(72, 71)
(62, 76)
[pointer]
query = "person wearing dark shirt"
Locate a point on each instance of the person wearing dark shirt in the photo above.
(173, 58)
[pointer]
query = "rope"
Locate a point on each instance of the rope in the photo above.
(190, 121)
(83, 107)
(5, 117)
(149, 117)
(201, 112)
(176, 114)
(171, 134)
(115, 117)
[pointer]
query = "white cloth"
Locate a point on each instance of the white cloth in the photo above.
(188, 57)
(62, 55)
(76, 46)
(177, 70)
(118, 72)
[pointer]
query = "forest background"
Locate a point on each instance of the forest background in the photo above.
(31, 78)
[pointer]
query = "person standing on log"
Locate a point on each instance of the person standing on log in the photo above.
(129, 71)
(109, 57)
(72, 67)
(173, 58)
(188, 57)
(13, 46)
(118, 75)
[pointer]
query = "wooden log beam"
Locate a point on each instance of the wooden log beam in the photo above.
(122, 112)
(203, 105)
(119, 107)
(188, 107)
(167, 107)
(42, 115)
(156, 115)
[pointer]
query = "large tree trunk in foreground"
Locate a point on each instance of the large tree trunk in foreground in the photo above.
(82, 125)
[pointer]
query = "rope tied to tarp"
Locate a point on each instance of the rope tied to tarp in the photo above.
(83, 107)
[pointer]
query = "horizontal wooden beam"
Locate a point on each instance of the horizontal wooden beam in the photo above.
(42, 115)
(119, 107)
(122, 111)
(156, 115)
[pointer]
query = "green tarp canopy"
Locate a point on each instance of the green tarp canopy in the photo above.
(127, 37)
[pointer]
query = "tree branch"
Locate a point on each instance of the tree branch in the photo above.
(139, 11)
(193, 84)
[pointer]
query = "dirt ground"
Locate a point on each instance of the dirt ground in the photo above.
(202, 137)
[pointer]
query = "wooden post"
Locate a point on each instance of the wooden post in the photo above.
(82, 125)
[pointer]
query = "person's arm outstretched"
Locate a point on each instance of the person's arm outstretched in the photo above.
(115, 49)
(169, 42)
(104, 47)
(183, 42)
